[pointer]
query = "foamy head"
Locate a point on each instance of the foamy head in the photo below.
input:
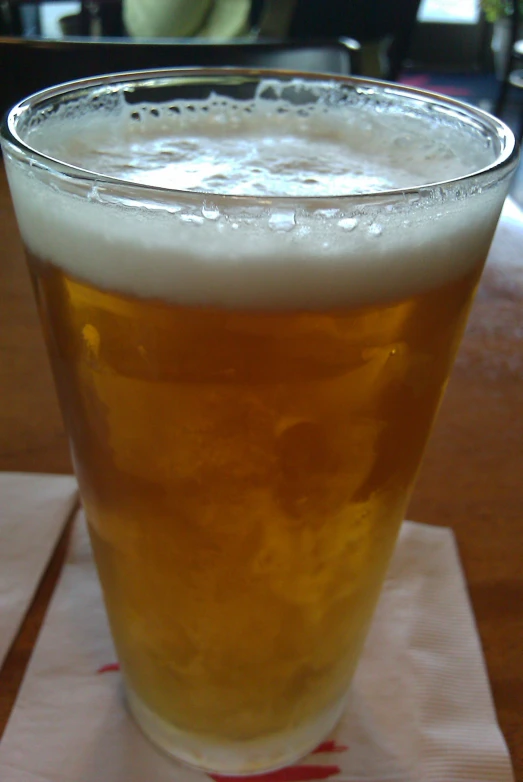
(260, 150)
(304, 232)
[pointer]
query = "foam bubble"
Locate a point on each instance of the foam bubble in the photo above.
(227, 252)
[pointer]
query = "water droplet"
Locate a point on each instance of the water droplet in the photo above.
(375, 230)
(196, 219)
(210, 212)
(303, 230)
(93, 194)
(348, 223)
(282, 221)
(327, 213)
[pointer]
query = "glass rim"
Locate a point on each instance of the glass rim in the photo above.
(504, 162)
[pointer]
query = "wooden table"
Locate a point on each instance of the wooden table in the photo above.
(471, 480)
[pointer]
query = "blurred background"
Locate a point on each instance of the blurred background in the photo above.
(469, 49)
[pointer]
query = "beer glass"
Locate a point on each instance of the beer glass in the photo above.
(252, 287)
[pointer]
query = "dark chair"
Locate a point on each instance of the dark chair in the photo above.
(30, 65)
(10, 18)
(364, 20)
(16, 12)
(513, 76)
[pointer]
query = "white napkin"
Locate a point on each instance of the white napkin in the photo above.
(419, 710)
(33, 513)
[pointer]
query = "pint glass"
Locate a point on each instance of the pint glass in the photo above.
(252, 287)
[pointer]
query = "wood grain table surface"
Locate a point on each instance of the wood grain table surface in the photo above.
(471, 478)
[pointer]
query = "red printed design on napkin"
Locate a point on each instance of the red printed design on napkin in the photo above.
(108, 667)
(290, 774)
(300, 773)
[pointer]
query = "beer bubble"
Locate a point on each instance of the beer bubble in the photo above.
(91, 337)
(403, 142)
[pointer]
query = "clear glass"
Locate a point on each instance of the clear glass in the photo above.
(248, 384)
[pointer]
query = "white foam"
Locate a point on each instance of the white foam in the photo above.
(262, 152)
(218, 250)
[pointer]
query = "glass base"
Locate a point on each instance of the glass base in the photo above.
(234, 757)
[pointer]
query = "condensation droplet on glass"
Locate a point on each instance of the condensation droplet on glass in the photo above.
(282, 221)
(211, 212)
(375, 230)
(327, 213)
(93, 194)
(348, 223)
(196, 219)
(303, 230)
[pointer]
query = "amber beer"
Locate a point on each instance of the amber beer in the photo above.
(248, 398)
(244, 475)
